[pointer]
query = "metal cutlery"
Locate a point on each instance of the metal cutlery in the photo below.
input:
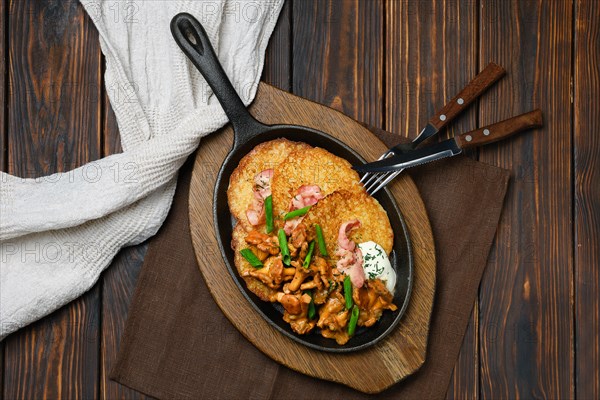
(452, 147)
(373, 182)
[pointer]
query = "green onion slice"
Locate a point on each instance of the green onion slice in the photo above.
(353, 320)
(311, 248)
(296, 213)
(312, 312)
(251, 258)
(269, 213)
(348, 292)
(321, 240)
(283, 245)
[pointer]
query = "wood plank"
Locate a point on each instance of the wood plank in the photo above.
(53, 125)
(118, 284)
(526, 311)
(431, 54)
(338, 54)
(587, 199)
(3, 134)
(278, 63)
(3, 89)
(465, 378)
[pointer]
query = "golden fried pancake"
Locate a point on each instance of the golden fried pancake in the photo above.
(343, 205)
(238, 243)
(313, 166)
(241, 183)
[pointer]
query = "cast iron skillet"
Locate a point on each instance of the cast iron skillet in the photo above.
(248, 132)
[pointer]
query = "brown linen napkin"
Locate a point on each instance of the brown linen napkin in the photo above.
(177, 343)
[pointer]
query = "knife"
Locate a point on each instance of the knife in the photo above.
(452, 147)
(475, 88)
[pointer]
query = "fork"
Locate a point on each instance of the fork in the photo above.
(373, 182)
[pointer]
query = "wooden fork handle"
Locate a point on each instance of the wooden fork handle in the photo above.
(500, 130)
(484, 80)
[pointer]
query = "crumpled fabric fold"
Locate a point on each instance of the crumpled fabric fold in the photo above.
(57, 233)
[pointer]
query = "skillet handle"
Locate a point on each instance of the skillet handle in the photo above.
(193, 41)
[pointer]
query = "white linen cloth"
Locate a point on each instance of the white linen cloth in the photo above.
(58, 233)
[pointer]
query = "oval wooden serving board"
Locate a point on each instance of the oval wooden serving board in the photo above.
(371, 370)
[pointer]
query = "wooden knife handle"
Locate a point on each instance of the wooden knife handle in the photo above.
(473, 90)
(500, 130)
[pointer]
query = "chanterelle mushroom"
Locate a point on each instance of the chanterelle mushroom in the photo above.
(271, 274)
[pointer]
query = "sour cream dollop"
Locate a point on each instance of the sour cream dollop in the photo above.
(377, 264)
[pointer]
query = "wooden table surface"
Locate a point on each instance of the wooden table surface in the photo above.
(535, 327)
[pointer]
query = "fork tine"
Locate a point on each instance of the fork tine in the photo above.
(368, 177)
(390, 176)
(381, 177)
(371, 177)
(365, 176)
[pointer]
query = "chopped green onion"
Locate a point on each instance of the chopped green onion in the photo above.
(353, 320)
(269, 213)
(312, 312)
(283, 245)
(296, 213)
(251, 258)
(311, 248)
(321, 240)
(348, 292)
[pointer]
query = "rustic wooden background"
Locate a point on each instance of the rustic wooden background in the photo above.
(535, 327)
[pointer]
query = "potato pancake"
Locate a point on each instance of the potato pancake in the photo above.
(313, 166)
(343, 205)
(241, 183)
